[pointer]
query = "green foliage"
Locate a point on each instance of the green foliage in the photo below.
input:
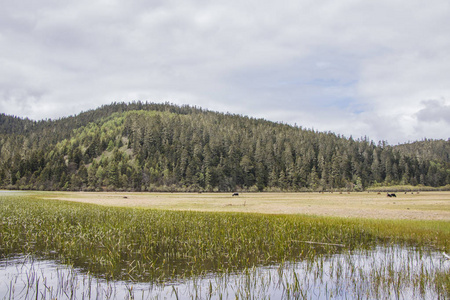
(437, 150)
(144, 245)
(163, 147)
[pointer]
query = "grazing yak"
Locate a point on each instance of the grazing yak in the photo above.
(391, 195)
(235, 194)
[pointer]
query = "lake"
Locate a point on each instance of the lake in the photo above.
(383, 272)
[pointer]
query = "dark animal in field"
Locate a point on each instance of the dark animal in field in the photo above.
(391, 195)
(235, 194)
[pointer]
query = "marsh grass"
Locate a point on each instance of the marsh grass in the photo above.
(382, 273)
(123, 243)
(141, 245)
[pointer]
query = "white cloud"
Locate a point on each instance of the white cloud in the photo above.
(355, 68)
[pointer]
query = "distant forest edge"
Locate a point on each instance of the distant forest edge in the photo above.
(163, 147)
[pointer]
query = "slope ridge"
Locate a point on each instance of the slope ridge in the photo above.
(164, 147)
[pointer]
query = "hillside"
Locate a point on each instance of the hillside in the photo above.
(437, 150)
(163, 147)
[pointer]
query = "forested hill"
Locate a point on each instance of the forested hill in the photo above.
(438, 150)
(164, 147)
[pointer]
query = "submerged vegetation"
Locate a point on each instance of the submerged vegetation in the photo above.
(162, 147)
(383, 273)
(143, 245)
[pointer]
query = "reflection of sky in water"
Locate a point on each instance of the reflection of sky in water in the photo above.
(387, 273)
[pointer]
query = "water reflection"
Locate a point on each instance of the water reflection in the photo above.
(384, 272)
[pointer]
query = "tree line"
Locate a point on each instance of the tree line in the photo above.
(163, 147)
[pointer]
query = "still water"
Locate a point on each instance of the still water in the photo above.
(380, 273)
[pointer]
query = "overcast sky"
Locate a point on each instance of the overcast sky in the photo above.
(379, 69)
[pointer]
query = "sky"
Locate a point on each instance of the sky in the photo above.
(375, 69)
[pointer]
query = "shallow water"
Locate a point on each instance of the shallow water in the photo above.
(387, 273)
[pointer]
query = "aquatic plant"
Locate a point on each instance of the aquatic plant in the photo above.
(141, 245)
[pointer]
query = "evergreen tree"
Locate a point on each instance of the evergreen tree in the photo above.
(148, 146)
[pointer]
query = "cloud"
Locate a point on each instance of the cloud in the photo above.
(435, 111)
(355, 68)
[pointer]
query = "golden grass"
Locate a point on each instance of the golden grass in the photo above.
(423, 206)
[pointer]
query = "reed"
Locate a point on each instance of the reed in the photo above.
(143, 245)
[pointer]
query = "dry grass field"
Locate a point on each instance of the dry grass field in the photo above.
(422, 206)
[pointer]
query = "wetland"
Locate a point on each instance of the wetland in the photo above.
(221, 247)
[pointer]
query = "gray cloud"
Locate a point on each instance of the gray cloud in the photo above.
(435, 111)
(354, 68)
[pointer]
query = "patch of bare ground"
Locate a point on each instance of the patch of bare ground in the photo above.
(423, 206)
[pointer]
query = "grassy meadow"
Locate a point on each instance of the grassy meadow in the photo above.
(411, 206)
(159, 237)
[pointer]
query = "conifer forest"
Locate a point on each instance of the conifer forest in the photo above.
(144, 146)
